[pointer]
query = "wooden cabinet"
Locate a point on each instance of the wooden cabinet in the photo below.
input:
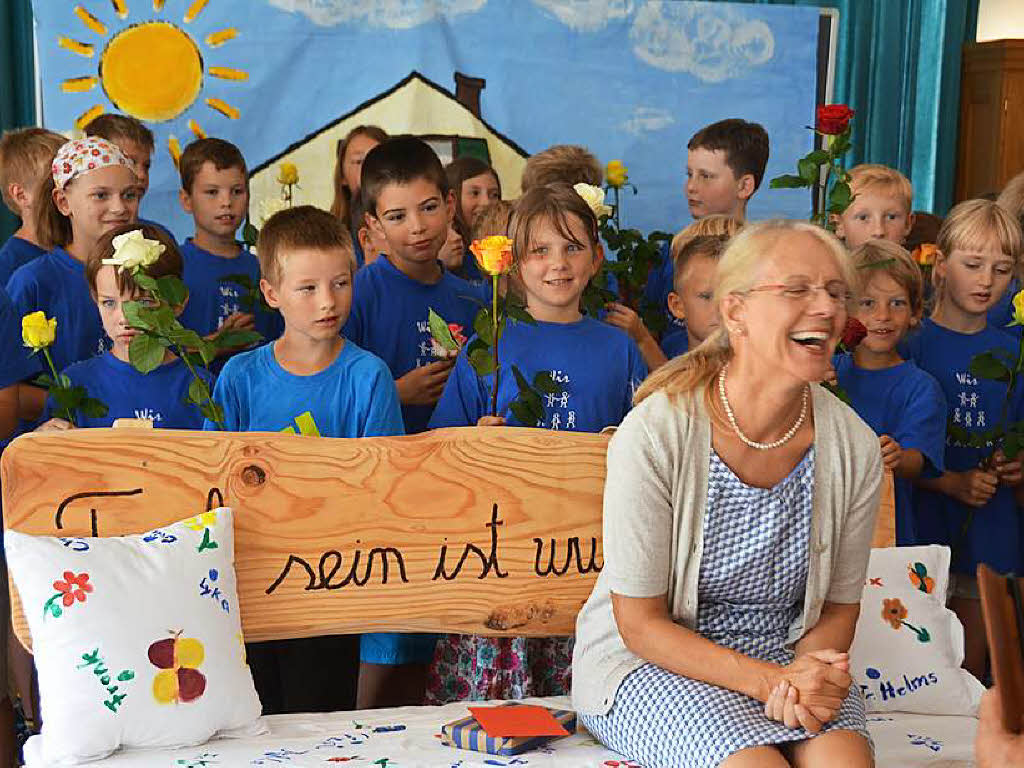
(991, 144)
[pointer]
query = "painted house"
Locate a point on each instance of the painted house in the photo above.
(449, 122)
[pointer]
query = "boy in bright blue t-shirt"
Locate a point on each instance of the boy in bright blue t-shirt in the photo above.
(407, 201)
(311, 381)
(25, 159)
(974, 506)
(215, 191)
(903, 405)
(160, 395)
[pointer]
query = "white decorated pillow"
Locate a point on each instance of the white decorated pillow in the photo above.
(908, 647)
(137, 639)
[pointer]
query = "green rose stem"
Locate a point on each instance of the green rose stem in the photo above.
(494, 331)
(65, 411)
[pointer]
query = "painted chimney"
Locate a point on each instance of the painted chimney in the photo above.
(467, 91)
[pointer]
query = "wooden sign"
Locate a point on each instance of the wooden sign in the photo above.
(480, 530)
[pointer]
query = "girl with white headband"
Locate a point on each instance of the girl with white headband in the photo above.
(92, 189)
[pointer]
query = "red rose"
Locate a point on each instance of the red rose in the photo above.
(853, 333)
(833, 119)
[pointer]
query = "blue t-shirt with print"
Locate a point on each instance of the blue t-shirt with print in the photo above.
(354, 396)
(909, 406)
(596, 366)
(16, 252)
(54, 284)
(389, 318)
(212, 298)
(995, 534)
(129, 394)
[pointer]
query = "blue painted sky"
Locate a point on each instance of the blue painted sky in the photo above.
(630, 79)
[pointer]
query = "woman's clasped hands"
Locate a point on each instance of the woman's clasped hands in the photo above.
(809, 691)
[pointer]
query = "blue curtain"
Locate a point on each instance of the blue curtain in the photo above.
(898, 67)
(17, 96)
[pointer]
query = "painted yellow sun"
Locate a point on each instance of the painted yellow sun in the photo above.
(151, 69)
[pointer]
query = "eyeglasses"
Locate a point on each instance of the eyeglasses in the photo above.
(836, 290)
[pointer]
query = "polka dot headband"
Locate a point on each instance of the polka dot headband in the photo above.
(80, 156)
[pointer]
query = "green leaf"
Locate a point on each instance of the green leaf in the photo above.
(213, 412)
(172, 290)
(146, 353)
(146, 283)
(787, 181)
(533, 403)
(523, 414)
(93, 408)
(1012, 446)
(988, 366)
(184, 337)
(440, 331)
(250, 234)
(483, 328)
(809, 170)
(520, 315)
(840, 197)
(232, 338)
(198, 391)
(544, 383)
(482, 361)
(521, 381)
(44, 380)
(818, 156)
(957, 433)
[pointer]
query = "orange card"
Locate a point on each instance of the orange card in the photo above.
(517, 720)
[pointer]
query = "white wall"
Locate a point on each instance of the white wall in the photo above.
(1000, 19)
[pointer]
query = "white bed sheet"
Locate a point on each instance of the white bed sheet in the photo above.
(409, 737)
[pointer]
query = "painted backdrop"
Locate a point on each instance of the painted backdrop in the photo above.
(285, 79)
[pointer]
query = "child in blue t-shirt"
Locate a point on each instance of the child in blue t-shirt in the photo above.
(979, 250)
(313, 382)
(903, 404)
(215, 190)
(92, 189)
(159, 395)
(405, 192)
(25, 159)
(596, 368)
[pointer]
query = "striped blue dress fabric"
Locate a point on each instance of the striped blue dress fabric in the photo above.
(751, 588)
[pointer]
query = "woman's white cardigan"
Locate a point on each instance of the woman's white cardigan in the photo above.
(654, 501)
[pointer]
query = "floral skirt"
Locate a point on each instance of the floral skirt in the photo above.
(475, 668)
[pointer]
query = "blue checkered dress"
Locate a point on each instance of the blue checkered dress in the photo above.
(751, 588)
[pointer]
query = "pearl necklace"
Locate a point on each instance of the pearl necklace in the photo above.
(736, 428)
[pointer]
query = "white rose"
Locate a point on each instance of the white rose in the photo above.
(133, 251)
(594, 198)
(268, 207)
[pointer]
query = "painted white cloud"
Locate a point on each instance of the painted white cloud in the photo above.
(711, 41)
(647, 120)
(393, 14)
(587, 15)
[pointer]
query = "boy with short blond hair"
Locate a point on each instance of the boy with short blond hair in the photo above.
(562, 164)
(215, 190)
(25, 159)
(903, 404)
(881, 208)
(311, 381)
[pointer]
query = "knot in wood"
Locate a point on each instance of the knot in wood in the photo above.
(254, 475)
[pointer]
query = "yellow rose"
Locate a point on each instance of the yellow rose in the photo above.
(616, 173)
(287, 174)
(38, 332)
(594, 198)
(493, 254)
(133, 251)
(1018, 308)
